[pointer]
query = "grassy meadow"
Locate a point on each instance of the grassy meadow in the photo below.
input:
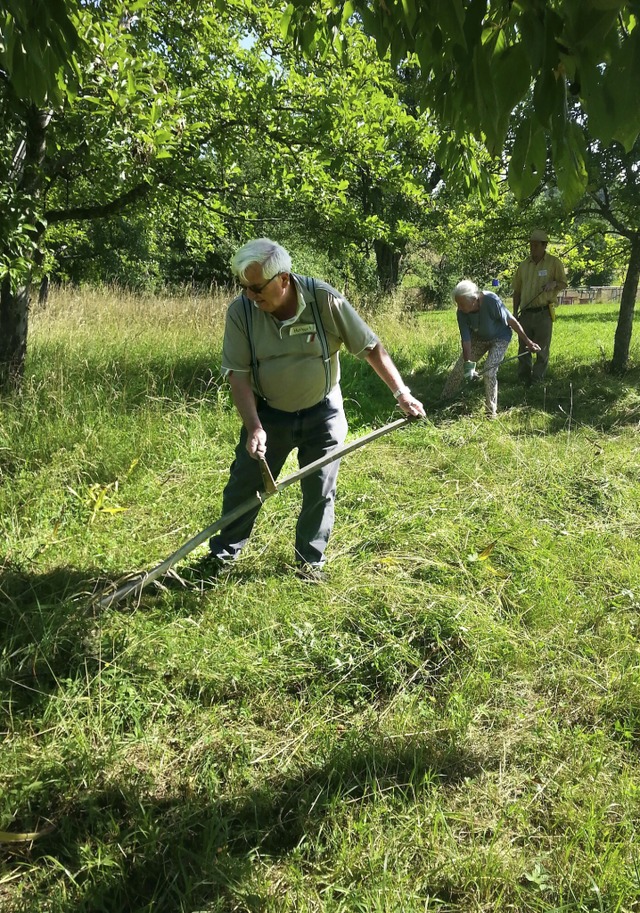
(450, 723)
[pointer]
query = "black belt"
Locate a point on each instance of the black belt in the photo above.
(545, 307)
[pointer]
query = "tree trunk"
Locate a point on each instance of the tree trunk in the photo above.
(387, 265)
(26, 172)
(14, 320)
(43, 293)
(627, 305)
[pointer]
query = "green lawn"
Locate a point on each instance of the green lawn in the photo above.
(450, 723)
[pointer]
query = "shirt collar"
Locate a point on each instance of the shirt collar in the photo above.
(531, 260)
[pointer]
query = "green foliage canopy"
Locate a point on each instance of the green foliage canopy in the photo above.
(208, 118)
(40, 41)
(480, 59)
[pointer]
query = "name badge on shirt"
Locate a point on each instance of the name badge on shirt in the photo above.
(542, 272)
(300, 329)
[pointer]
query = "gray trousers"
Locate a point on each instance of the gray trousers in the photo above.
(496, 349)
(314, 432)
(538, 326)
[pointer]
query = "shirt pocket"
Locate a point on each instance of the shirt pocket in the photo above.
(307, 343)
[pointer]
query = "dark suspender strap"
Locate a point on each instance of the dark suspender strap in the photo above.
(322, 336)
(248, 317)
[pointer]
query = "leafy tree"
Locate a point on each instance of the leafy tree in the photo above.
(40, 46)
(593, 255)
(145, 106)
(331, 152)
(482, 243)
(612, 205)
(480, 58)
(41, 58)
(202, 116)
(367, 178)
(565, 68)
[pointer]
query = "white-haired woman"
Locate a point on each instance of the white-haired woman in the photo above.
(485, 327)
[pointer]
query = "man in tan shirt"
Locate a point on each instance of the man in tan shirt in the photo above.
(280, 356)
(538, 281)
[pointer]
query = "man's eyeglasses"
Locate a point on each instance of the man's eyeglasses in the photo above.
(256, 289)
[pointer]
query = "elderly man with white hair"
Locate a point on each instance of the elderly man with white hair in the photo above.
(485, 327)
(281, 357)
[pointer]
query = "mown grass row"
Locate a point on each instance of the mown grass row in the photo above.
(451, 723)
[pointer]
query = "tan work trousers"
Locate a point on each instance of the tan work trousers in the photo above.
(538, 326)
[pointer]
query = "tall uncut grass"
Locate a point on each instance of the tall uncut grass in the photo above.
(451, 722)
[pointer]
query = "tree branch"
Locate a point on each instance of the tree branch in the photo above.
(100, 210)
(605, 211)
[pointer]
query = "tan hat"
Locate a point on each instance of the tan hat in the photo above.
(538, 235)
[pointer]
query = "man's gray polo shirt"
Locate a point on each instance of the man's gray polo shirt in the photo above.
(289, 355)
